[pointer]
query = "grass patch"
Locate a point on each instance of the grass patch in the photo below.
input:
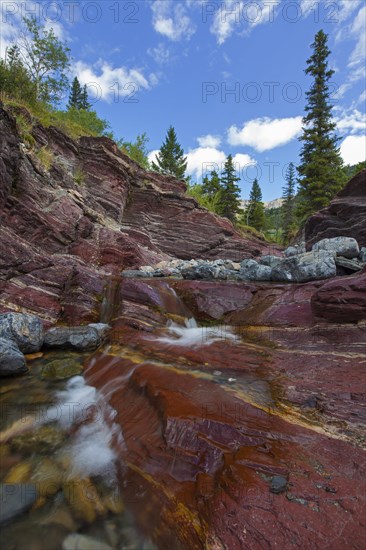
(46, 157)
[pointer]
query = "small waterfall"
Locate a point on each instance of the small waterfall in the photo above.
(193, 336)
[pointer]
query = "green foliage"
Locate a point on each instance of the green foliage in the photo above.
(320, 170)
(198, 192)
(228, 196)
(170, 159)
(137, 150)
(350, 171)
(254, 213)
(79, 122)
(289, 225)
(14, 78)
(46, 59)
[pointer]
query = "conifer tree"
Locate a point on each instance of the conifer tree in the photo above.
(171, 160)
(320, 170)
(288, 195)
(84, 99)
(228, 202)
(75, 95)
(255, 210)
(211, 185)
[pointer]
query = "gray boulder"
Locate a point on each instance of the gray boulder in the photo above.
(339, 246)
(270, 260)
(26, 330)
(362, 255)
(295, 250)
(348, 265)
(310, 266)
(250, 270)
(202, 271)
(131, 273)
(12, 361)
(77, 338)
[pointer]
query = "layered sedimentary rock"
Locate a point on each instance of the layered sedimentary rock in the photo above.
(246, 442)
(90, 214)
(345, 216)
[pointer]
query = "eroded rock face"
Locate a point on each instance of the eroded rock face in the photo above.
(345, 216)
(63, 235)
(342, 300)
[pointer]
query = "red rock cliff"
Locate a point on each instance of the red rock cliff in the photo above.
(93, 213)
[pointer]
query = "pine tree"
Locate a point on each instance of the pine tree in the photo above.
(255, 210)
(75, 95)
(228, 202)
(288, 214)
(211, 185)
(171, 160)
(320, 170)
(84, 100)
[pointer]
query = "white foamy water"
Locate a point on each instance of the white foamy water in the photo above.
(91, 447)
(191, 335)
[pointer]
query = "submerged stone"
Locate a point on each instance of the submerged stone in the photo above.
(83, 542)
(42, 440)
(278, 485)
(15, 499)
(61, 369)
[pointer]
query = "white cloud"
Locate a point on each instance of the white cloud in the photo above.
(241, 16)
(171, 20)
(203, 160)
(353, 149)
(160, 54)
(209, 141)
(107, 81)
(264, 133)
(354, 122)
(358, 30)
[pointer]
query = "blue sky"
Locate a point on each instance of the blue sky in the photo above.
(229, 76)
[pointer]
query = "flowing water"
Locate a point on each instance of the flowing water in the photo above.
(132, 445)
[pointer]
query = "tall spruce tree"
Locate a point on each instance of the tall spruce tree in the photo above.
(320, 170)
(255, 210)
(75, 95)
(228, 201)
(288, 207)
(171, 160)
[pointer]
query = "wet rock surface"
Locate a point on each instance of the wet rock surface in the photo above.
(12, 361)
(15, 499)
(76, 338)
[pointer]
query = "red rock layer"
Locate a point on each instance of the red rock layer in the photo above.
(345, 216)
(94, 213)
(206, 428)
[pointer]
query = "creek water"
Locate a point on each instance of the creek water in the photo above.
(75, 441)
